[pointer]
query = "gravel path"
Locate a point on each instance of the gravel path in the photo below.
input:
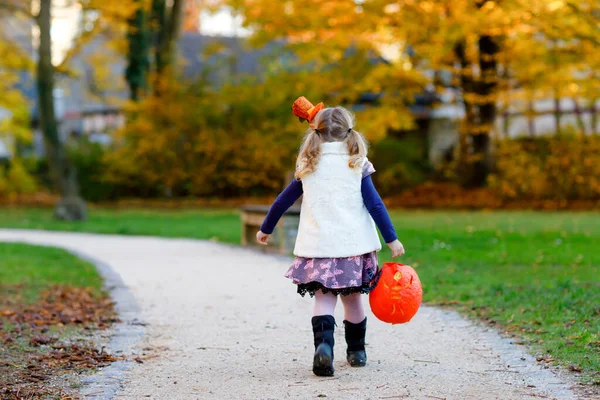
(223, 323)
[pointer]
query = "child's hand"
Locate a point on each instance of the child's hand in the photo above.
(397, 248)
(262, 238)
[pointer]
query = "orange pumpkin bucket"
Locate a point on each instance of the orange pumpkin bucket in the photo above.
(398, 294)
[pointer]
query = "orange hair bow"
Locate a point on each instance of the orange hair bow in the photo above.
(304, 110)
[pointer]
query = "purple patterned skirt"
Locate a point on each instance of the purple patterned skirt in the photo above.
(342, 276)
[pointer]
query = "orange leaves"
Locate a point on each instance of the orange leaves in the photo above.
(375, 122)
(544, 173)
(446, 196)
(426, 6)
(525, 30)
(33, 353)
(63, 305)
(237, 140)
(558, 168)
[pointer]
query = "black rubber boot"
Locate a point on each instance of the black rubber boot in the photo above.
(355, 339)
(323, 327)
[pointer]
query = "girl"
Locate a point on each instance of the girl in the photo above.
(337, 243)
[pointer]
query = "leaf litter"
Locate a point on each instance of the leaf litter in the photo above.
(45, 343)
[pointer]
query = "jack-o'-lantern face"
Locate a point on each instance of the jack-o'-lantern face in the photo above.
(398, 295)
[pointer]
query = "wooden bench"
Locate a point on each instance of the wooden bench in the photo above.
(282, 240)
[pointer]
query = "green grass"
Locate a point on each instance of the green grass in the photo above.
(223, 225)
(25, 270)
(533, 274)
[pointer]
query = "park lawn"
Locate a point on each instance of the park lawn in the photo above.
(50, 301)
(534, 275)
(33, 269)
(223, 225)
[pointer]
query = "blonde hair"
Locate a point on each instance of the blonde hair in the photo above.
(330, 125)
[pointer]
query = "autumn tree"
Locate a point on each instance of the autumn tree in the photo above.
(214, 136)
(165, 22)
(474, 41)
(196, 139)
(14, 109)
(70, 206)
(138, 47)
(349, 52)
(154, 27)
(163, 149)
(468, 39)
(503, 52)
(557, 57)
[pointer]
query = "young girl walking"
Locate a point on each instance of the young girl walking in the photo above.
(337, 243)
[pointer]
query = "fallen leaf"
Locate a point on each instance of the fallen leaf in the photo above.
(575, 368)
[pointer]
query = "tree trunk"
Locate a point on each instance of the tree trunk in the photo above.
(464, 169)
(594, 111)
(486, 88)
(475, 157)
(158, 18)
(174, 30)
(579, 118)
(136, 73)
(531, 118)
(479, 98)
(70, 206)
(166, 25)
(557, 111)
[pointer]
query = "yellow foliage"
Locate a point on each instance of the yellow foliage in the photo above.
(342, 42)
(239, 137)
(193, 140)
(15, 180)
(558, 168)
(13, 60)
(546, 48)
(19, 180)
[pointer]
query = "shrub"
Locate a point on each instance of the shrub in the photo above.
(193, 141)
(19, 179)
(400, 162)
(89, 161)
(40, 170)
(559, 168)
(16, 180)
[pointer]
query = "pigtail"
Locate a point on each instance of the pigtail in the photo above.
(330, 125)
(309, 155)
(357, 147)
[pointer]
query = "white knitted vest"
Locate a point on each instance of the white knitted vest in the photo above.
(334, 221)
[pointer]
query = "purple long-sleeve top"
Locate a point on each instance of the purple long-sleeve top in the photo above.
(370, 197)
